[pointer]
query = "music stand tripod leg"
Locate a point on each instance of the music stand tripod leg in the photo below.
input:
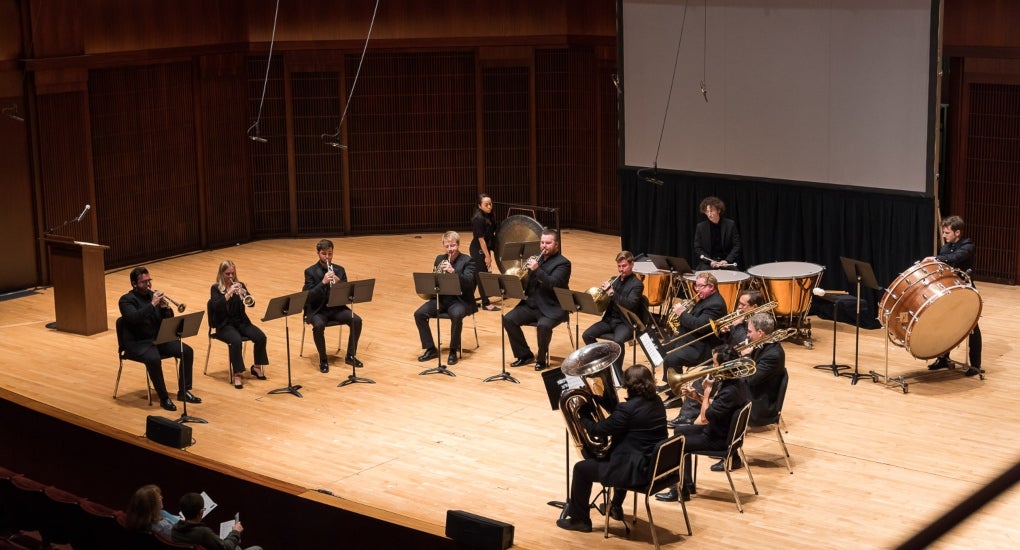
(503, 375)
(440, 368)
(290, 388)
(180, 384)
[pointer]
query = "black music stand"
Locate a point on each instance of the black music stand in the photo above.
(285, 306)
(506, 286)
(834, 300)
(556, 382)
(438, 284)
(348, 293)
(636, 327)
(677, 267)
(178, 328)
(576, 302)
(519, 251)
(858, 273)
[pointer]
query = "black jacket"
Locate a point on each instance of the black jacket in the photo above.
(730, 243)
(637, 425)
(553, 272)
(770, 365)
(318, 293)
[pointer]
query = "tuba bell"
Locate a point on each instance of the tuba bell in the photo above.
(596, 400)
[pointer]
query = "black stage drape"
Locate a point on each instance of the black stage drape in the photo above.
(781, 221)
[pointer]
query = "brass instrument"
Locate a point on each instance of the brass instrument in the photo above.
(246, 297)
(180, 306)
(522, 271)
(596, 400)
(718, 324)
(736, 368)
(673, 320)
(600, 296)
(675, 380)
(440, 268)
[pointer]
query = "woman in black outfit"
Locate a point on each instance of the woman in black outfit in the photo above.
(483, 243)
(226, 314)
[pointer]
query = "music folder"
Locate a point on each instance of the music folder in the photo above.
(181, 326)
(556, 382)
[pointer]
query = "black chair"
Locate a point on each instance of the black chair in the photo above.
(339, 336)
(28, 503)
(102, 528)
(64, 518)
(779, 424)
(208, 350)
(446, 316)
(570, 335)
(123, 355)
(735, 447)
(667, 472)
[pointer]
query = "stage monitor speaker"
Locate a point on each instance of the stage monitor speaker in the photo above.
(477, 532)
(166, 431)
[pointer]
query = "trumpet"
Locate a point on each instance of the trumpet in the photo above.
(600, 296)
(521, 271)
(246, 298)
(329, 267)
(180, 306)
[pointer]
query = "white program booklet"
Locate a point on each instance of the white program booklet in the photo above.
(228, 525)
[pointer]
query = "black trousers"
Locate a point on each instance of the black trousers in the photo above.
(457, 311)
(342, 315)
(233, 337)
(153, 358)
(522, 315)
(586, 473)
(618, 332)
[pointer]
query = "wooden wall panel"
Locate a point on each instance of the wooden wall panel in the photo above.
(506, 128)
(143, 140)
(412, 150)
(270, 188)
(992, 205)
(607, 149)
(319, 183)
(64, 180)
(228, 202)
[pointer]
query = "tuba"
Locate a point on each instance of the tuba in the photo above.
(595, 400)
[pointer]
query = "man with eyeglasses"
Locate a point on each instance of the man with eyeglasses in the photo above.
(698, 340)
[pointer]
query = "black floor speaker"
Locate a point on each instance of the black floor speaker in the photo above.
(166, 431)
(474, 531)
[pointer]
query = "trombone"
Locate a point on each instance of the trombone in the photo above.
(718, 324)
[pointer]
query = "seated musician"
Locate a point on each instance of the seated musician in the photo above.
(626, 291)
(770, 362)
(319, 280)
(227, 302)
(693, 347)
(457, 307)
(711, 431)
(540, 305)
(716, 240)
(143, 310)
(636, 427)
(737, 330)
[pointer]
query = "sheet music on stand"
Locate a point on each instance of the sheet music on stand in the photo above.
(651, 348)
(556, 382)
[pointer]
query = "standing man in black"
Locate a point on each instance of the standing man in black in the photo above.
(625, 291)
(550, 270)
(958, 252)
(716, 238)
(636, 427)
(143, 310)
(457, 307)
(319, 279)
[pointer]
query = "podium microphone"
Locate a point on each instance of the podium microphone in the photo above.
(822, 292)
(82, 215)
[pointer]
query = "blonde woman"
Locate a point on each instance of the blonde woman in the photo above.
(227, 315)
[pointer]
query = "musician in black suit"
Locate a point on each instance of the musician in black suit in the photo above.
(694, 322)
(625, 291)
(143, 310)
(958, 252)
(635, 427)
(228, 299)
(550, 270)
(711, 431)
(457, 307)
(319, 279)
(716, 238)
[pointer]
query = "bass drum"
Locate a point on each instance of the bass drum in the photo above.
(516, 229)
(929, 309)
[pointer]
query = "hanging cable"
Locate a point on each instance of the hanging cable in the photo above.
(333, 140)
(704, 58)
(643, 173)
(256, 135)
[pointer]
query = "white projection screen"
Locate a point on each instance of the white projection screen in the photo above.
(835, 92)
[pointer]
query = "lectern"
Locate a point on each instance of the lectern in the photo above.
(79, 284)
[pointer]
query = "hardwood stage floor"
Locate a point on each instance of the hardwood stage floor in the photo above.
(872, 464)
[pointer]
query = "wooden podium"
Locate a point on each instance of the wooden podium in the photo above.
(79, 284)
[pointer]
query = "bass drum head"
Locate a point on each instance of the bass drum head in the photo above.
(943, 322)
(516, 229)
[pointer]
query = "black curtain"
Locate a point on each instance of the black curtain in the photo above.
(781, 221)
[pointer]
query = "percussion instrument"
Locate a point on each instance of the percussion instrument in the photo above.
(929, 309)
(790, 285)
(729, 285)
(656, 286)
(516, 229)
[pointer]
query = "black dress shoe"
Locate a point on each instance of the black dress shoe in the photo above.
(721, 465)
(430, 353)
(188, 396)
(616, 512)
(452, 359)
(523, 361)
(541, 365)
(167, 404)
(323, 366)
(571, 524)
(940, 363)
(680, 421)
(668, 496)
(353, 361)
